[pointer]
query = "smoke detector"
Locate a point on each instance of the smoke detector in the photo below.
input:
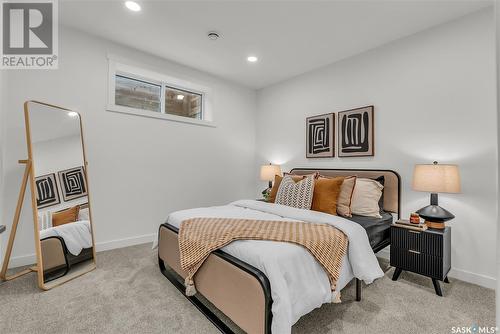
(213, 35)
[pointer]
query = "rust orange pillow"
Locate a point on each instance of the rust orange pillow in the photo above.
(65, 216)
(326, 192)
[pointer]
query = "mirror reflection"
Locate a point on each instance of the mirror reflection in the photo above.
(62, 202)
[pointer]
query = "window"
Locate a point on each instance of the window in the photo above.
(183, 103)
(141, 92)
(137, 94)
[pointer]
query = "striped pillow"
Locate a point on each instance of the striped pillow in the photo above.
(296, 194)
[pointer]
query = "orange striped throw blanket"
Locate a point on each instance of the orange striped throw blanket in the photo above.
(198, 237)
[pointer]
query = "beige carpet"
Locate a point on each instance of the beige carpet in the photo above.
(128, 294)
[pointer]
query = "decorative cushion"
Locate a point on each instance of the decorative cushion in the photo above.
(277, 182)
(345, 196)
(44, 219)
(365, 198)
(381, 180)
(84, 214)
(296, 194)
(326, 192)
(65, 216)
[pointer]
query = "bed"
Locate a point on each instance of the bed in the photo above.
(64, 246)
(241, 270)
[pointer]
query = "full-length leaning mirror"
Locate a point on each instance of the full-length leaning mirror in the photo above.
(64, 238)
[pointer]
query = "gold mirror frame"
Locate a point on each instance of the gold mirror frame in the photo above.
(29, 175)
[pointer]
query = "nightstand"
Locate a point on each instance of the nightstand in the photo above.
(426, 253)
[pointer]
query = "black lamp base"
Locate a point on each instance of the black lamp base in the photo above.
(434, 215)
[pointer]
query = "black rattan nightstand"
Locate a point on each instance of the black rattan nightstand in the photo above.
(426, 253)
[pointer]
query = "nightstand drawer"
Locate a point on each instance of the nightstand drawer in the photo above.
(417, 262)
(423, 242)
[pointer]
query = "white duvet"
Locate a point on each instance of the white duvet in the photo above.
(76, 235)
(298, 282)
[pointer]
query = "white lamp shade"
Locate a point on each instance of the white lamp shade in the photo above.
(436, 178)
(267, 172)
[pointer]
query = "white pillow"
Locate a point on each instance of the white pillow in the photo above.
(83, 214)
(44, 220)
(365, 197)
(296, 194)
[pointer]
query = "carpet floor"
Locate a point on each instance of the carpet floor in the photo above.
(128, 294)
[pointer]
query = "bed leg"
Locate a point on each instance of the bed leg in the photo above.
(358, 290)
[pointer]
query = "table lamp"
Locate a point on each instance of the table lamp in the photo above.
(435, 178)
(267, 173)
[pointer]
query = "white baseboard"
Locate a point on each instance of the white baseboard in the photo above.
(478, 279)
(120, 243)
(463, 275)
(25, 260)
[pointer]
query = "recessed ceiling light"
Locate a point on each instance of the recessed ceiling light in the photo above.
(180, 97)
(252, 59)
(133, 6)
(72, 114)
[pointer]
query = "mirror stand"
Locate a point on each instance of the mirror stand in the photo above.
(56, 171)
(15, 222)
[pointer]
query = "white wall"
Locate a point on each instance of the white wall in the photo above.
(140, 169)
(55, 155)
(497, 43)
(2, 145)
(434, 98)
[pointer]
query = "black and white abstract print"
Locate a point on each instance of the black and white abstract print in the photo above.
(73, 183)
(47, 193)
(320, 136)
(356, 132)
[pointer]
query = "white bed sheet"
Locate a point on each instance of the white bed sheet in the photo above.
(298, 282)
(76, 235)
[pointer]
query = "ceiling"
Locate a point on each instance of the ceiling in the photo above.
(289, 37)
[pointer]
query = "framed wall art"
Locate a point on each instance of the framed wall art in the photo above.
(320, 136)
(47, 193)
(356, 132)
(73, 183)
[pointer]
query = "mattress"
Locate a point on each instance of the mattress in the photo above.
(378, 229)
(298, 282)
(76, 235)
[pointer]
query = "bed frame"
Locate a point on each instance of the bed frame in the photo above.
(226, 281)
(57, 260)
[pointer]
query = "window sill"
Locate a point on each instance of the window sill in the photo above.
(152, 114)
